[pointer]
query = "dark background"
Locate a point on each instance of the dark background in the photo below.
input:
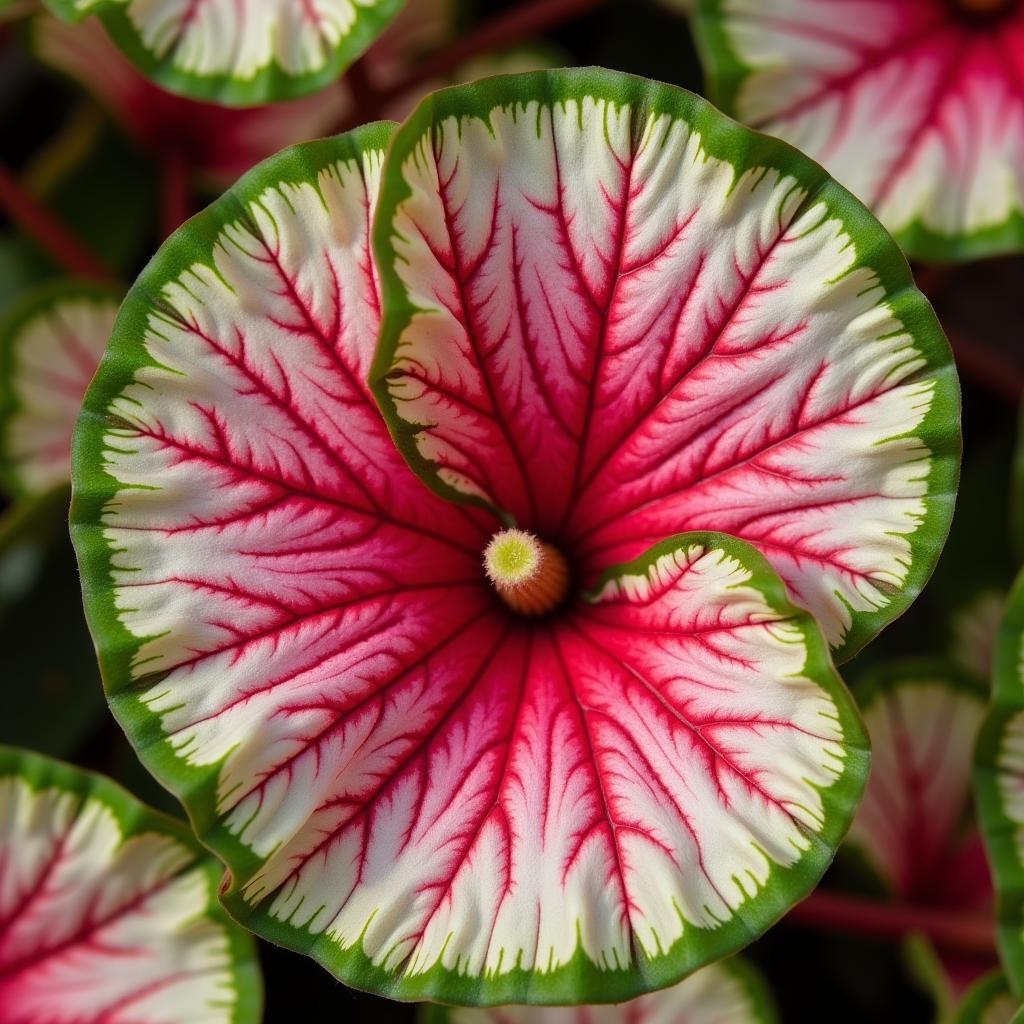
(51, 697)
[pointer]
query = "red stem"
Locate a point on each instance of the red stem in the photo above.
(175, 191)
(954, 930)
(64, 247)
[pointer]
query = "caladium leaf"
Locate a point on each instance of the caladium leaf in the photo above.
(990, 1001)
(912, 826)
(50, 346)
(729, 992)
(433, 796)
(240, 52)
(108, 911)
(613, 314)
(222, 143)
(999, 785)
(974, 628)
(916, 107)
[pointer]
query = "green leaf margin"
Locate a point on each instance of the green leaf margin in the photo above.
(1000, 832)
(762, 1005)
(135, 818)
(31, 305)
(270, 84)
(724, 75)
(980, 998)
(743, 148)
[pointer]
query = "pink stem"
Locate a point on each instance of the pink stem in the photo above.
(175, 191)
(38, 223)
(955, 930)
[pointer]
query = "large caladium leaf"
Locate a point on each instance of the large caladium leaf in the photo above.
(999, 784)
(434, 796)
(724, 993)
(646, 319)
(915, 106)
(50, 346)
(240, 52)
(108, 911)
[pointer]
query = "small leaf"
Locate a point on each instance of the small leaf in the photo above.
(108, 911)
(240, 52)
(915, 107)
(50, 346)
(915, 827)
(729, 992)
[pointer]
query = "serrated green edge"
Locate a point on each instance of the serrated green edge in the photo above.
(32, 304)
(270, 84)
(743, 148)
(997, 829)
(135, 818)
(762, 1005)
(724, 75)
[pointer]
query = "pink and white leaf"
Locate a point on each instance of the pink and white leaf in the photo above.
(433, 796)
(108, 914)
(915, 106)
(50, 346)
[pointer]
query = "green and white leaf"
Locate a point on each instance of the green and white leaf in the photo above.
(240, 52)
(108, 910)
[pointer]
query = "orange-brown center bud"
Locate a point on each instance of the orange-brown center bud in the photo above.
(530, 575)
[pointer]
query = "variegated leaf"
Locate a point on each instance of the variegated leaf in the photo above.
(240, 52)
(50, 346)
(916, 105)
(108, 911)
(433, 796)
